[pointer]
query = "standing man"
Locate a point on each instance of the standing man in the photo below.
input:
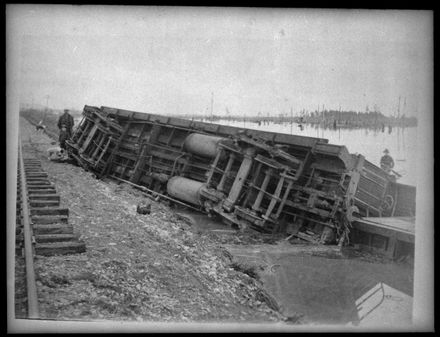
(67, 120)
(386, 162)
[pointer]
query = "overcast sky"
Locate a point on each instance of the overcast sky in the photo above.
(170, 60)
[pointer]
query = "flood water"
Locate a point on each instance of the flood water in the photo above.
(401, 142)
(332, 290)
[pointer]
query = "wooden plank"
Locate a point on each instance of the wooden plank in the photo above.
(49, 219)
(98, 145)
(284, 199)
(405, 224)
(262, 188)
(145, 152)
(384, 231)
(44, 197)
(104, 151)
(275, 197)
(58, 237)
(214, 167)
(32, 192)
(49, 211)
(44, 203)
(52, 229)
(85, 129)
(221, 184)
(90, 136)
(109, 163)
(36, 175)
(38, 182)
(60, 248)
(39, 188)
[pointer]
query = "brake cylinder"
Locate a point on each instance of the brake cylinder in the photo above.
(202, 145)
(185, 189)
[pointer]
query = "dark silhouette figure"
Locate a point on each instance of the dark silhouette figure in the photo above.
(67, 120)
(387, 162)
(64, 135)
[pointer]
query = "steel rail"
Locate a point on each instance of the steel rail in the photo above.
(33, 311)
(154, 193)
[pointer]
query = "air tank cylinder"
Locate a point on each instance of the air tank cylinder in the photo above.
(202, 145)
(185, 189)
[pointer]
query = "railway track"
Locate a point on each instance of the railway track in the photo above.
(42, 228)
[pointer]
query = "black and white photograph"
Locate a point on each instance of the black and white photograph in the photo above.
(219, 169)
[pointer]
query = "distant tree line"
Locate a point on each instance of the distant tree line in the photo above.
(369, 119)
(324, 118)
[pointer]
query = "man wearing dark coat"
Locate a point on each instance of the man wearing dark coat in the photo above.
(386, 162)
(67, 120)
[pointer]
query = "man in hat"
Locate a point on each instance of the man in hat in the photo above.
(386, 162)
(67, 120)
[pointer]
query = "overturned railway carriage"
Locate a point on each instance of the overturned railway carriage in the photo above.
(270, 182)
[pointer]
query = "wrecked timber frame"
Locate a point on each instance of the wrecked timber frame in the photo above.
(270, 182)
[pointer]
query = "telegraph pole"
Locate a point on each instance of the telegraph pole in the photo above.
(47, 108)
(404, 106)
(291, 120)
(212, 105)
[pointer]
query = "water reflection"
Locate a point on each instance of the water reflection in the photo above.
(339, 290)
